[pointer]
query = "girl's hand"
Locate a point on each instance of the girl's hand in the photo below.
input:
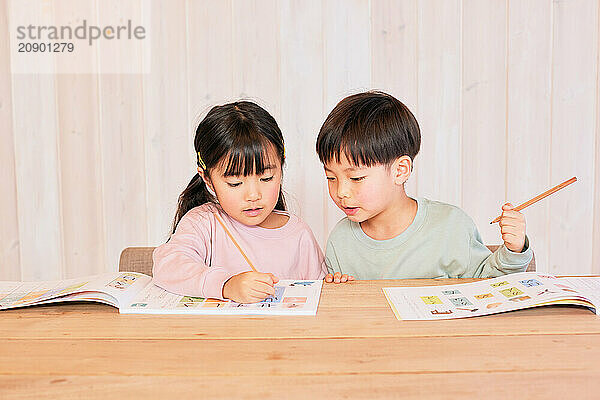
(512, 227)
(338, 278)
(249, 287)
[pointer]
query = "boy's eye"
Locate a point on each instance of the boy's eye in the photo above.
(359, 178)
(234, 184)
(270, 178)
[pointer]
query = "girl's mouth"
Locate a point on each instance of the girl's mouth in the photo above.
(252, 212)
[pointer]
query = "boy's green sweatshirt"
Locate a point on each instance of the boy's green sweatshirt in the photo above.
(441, 242)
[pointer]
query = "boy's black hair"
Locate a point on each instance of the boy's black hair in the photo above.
(369, 128)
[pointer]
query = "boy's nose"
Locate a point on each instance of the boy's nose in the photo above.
(343, 190)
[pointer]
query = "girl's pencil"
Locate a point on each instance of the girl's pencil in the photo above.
(539, 197)
(235, 242)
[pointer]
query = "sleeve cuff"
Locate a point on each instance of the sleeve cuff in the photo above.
(214, 281)
(508, 257)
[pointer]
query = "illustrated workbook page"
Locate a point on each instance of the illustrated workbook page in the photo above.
(116, 289)
(588, 286)
(292, 297)
(490, 296)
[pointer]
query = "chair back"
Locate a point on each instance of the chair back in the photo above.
(136, 259)
(139, 259)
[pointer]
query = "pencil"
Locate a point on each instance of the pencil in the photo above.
(235, 242)
(540, 197)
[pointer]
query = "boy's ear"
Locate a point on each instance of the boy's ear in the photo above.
(401, 169)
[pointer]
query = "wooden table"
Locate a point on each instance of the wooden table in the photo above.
(354, 348)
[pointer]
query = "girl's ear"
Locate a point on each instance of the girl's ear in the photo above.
(206, 178)
(401, 169)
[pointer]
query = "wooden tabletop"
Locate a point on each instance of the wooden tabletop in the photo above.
(354, 348)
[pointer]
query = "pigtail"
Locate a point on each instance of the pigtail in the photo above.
(195, 194)
(281, 206)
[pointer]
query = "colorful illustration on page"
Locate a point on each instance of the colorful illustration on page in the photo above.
(72, 287)
(431, 300)
(512, 292)
(302, 283)
(451, 292)
(275, 298)
(122, 282)
(190, 302)
(530, 283)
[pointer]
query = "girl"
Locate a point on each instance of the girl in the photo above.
(237, 192)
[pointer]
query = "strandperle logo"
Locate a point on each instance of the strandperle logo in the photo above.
(83, 31)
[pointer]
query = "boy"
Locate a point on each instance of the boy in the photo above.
(367, 145)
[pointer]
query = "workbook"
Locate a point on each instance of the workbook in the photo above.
(134, 293)
(490, 296)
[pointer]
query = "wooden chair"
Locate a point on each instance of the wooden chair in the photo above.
(139, 259)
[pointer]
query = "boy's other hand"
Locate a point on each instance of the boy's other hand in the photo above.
(512, 228)
(338, 277)
(249, 287)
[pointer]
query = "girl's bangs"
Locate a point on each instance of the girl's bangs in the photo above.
(252, 157)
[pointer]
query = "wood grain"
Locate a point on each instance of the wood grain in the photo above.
(9, 229)
(439, 101)
(354, 348)
(529, 113)
(484, 27)
(37, 162)
(573, 134)
(357, 310)
(244, 357)
(501, 385)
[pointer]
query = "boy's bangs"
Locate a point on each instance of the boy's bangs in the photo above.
(252, 157)
(359, 154)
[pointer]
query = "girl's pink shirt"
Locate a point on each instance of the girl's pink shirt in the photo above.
(200, 257)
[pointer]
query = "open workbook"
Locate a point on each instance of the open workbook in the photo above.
(134, 293)
(491, 296)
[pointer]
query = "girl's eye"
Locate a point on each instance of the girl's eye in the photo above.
(234, 184)
(330, 178)
(360, 178)
(267, 179)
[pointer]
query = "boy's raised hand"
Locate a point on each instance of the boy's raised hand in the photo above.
(338, 277)
(249, 287)
(512, 227)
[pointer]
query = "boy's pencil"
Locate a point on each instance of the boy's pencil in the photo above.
(236, 243)
(539, 197)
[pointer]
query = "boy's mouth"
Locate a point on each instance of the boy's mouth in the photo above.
(252, 212)
(350, 210)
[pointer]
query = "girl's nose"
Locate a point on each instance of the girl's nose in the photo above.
(254, 196)
(253, 193)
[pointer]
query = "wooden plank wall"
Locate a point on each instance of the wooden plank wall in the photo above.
(507, 94)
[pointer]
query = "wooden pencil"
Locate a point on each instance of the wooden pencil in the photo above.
(540, 197)
(235, 242)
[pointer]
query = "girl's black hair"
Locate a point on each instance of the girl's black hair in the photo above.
(238, 135)
(369, 128)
